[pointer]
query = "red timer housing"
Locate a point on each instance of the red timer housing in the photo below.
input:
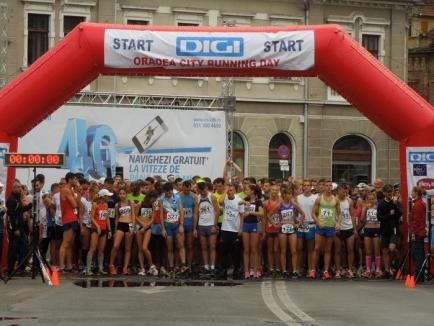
(19, 160)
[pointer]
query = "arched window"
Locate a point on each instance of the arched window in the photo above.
(238, 150)
(352, 160)
(280, 146)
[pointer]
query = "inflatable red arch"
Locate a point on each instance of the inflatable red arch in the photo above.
(326, 51)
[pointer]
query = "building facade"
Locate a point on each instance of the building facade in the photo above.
(324, 135)
(421, 50)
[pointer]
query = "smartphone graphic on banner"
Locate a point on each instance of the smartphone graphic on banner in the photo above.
(147, 137)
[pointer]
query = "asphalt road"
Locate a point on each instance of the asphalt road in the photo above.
(267, 302)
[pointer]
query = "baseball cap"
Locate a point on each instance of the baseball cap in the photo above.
(104, 192)
(362, 185)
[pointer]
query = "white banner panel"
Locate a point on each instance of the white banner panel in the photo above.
(192, 50)
(420, 168)
(145, 142)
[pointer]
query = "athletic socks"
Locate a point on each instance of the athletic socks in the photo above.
(378, 263)
(368, 263)
(89, 260)
(101, 261)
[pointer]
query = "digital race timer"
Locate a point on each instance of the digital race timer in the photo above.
(16, 160)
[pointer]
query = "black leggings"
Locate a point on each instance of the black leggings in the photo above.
(231, 245)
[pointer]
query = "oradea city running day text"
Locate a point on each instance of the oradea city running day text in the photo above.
(230, 47)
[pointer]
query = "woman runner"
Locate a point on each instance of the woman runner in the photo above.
(371, 236)
(143, 233)
(100, 225)
(125, 224)
(253, 214)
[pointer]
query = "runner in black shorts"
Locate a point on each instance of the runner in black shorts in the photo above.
(389, 213)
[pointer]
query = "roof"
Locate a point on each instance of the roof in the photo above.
(426, 8)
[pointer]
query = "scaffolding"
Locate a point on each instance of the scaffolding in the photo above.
(225, 103)
(3, 44)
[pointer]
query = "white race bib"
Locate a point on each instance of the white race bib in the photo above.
(287, 228)
(172, 217)
(102, 215)
(326, 212)
(146, 212)
(287, 214)
(188, 212)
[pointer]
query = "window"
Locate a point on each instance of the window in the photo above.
(137, 22)
(352, 160)
(424, 27)
(371, 43)
(238, 150)
(69, 23)
(187, 24)
(274, 171)
(37, 41)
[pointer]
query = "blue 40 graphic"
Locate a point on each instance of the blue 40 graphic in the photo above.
(92, 150)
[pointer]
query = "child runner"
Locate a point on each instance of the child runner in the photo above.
(271, 227)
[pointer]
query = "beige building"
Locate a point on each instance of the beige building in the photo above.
(325, 135)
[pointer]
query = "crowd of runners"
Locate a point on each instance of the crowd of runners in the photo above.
(205, 228)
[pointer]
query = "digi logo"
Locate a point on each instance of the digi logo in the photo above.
(421, 157)
(210, 46)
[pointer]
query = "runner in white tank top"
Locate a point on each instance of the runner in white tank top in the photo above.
(346, 233)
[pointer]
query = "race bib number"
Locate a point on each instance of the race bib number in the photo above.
(287, 228)
(304, 228)
(346, 215)
(275, 218)
(287, 214)
(326, 212)
(145, 212)
(250, 208)
(188, 212)
(371, 216)
(172, 217)
(103, 215)
(126, 210)
(111, 212)
(230, 214)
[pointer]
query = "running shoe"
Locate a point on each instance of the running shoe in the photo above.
(125, 271)
(350, 274)
(89, 273)
(112, 270)
(367, 274)
(326, 275)
(311, 274)
(338, 274)
(185, 269)
(378, 274)
(246, 275)
(101, 271)
(163, 270)
(285, 274)
(295, 275)
(153, 270)
(252, 273)
(141, 272)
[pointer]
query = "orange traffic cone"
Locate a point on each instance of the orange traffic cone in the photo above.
(407, 281)
(412, 284)
(55, 277)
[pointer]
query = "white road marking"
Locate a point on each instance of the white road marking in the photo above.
(154, 290)
(271, 303)
(283, 295)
